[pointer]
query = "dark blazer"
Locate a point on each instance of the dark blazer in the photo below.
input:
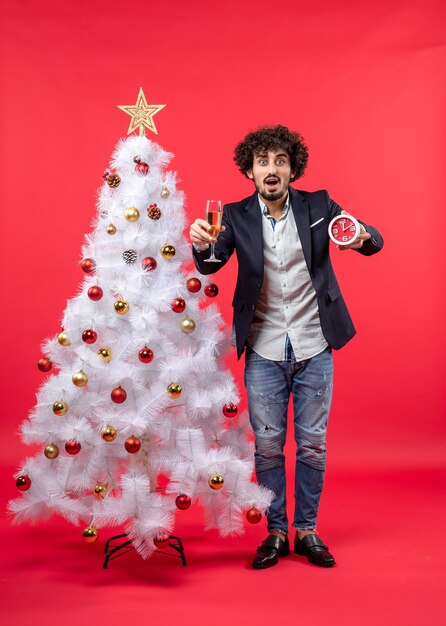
(243, 223)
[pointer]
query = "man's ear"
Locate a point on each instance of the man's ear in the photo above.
(249, 174)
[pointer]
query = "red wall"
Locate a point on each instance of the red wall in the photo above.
(362, 81)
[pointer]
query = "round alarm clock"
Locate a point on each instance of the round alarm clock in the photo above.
(343, 229)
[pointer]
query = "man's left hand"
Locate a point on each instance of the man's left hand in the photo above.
(357, 243)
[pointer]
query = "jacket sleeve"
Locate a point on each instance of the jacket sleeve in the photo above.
(224, 247)
(370, 246)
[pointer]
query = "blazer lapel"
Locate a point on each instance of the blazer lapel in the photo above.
(254, 217)
(301, 212)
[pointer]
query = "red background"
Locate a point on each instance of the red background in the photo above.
(362, 81)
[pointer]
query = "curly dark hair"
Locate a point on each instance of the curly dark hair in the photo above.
(272, 138)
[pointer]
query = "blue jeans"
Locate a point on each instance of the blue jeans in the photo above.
(269, 385)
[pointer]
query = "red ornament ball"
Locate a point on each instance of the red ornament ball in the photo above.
(183, 502)
(230, 410)
(95, 293)
(88, 266)
(89, 336)
(132, 444)
(145, 355)
(253, 516)
(118, 395)
(148, 264)
(142, 168)
(44, 365)
(23, 483)
(161, 541)
(211, 290)
(194, 285)
(72, 447)
(178, 305)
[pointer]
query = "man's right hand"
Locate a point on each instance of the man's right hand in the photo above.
(199, 232)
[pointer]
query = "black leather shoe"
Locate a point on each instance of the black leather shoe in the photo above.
(269, 551)
(314, 549)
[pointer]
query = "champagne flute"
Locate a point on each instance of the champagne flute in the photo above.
(214, 213)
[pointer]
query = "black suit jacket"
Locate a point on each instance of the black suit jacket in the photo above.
(243, 223)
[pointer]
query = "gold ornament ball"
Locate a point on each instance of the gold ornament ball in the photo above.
(111, 229)
(121, 307)
(105, 354)
(90, 534)
(174, 390)
(216, 481)
(60, 407)
(187, 325)
(131, 214)
(165, 193)
(100, 490)
(51, 451)
(109, 433)
(168, 251)
(62, 338)
(80, 379)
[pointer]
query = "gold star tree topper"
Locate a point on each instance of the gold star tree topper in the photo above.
(141, 114)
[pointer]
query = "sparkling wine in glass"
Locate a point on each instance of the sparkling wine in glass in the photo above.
(214, 213)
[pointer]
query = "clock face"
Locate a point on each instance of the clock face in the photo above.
(343, 229)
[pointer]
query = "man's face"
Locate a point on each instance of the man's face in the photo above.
(271, 173)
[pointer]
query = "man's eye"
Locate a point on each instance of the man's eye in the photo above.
(280, 162)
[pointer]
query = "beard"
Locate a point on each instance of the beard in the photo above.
(271, 196)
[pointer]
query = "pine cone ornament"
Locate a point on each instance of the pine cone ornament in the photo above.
(113, 180)
(154, 212)
(129, 256)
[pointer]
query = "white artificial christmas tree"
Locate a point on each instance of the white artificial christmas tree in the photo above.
(141, 387)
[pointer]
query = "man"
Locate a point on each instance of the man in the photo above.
(288, 315)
